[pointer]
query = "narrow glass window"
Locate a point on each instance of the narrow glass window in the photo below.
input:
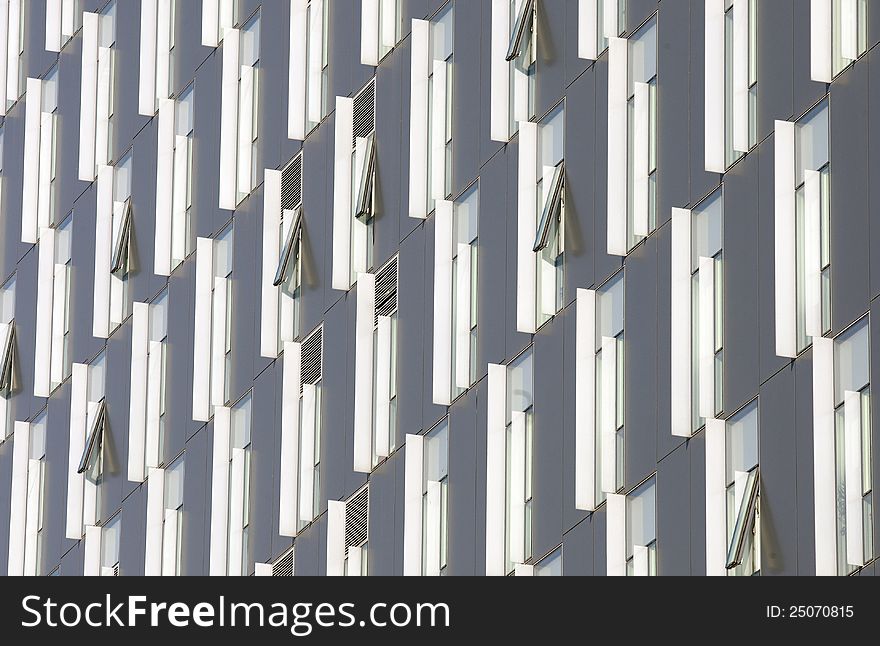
(742, 493)
(239, 487)
(641, 530)
(550, 209)
(435, 497)
(550, 565)
(465, 267)
(610, 371)
(519, 442)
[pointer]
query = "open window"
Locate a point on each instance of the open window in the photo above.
(287, 262)
(522, 30)
(745, 520)
(121, 240)
(7, 360)
(91, 461)
(514, 64)
(364, 206)
(551, 214)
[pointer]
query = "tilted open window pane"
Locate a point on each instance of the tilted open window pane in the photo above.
(7, 362)
(363, 207)
(91, 454)
(552, 208)
(745, 518)
(522, 29)
(122, 242)
(290, 251)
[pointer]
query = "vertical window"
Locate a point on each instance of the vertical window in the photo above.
(740, 79)
(385, 341)
(610, 368)
(742, 494)
(707, 305)
(380, 29)
(61, 360)
(238, 538)
(48, 131)
(182, 196)
(120, 261)
(440, 85)
(813, 224)
(519, 449)
(12, 24)
(318, 63)
(849, 40)
(157, 44)
(549, 243)
(172, 522)
(853, 448)
(435, 501)
(642, 134)
(550, 565)
(106, 105)
(465, 302)
(8, 383)
(288, 275)
(312, 421)
(641, 530)
(522, 55)
(363, 170)
(27, 498)
(221, 323)
(63, 20)
(38, 209)
(111, 536)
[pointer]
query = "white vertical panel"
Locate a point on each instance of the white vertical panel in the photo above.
(219, 333)
(383, 386)
(418, 119)
(165, 26)
(140, 345)
(33, 523)
(820, 40)
(714, 85)
(227, 11)
(585, 402)
(246, 118)
(438, 132)
(716, 499)
(19, 498)
(412, 506)
(464, 271)
(92, 551)
(500, 68)
(707, 337)
(153, 453)
(741, 75)
(521, 108)
(170, 533)
(527, 217)
(210, 23)
(812, 252)
(220, 491)
(180, 194)
(640, 560)
(442, 368)
(229, 120)
(335, 538)
(69, 9)
(238, 490)
(296, 72)
(355, 561)
(88, 97)
(290, 438)
(262, 569)
(308, 429)
(148, 58)
(53, 24)
(433, 501)
(165, 186)
(388, 25)
(524, 570)
(618, 71)
(4, 55)
(201, 328)
(47, 154)
(31, 166)
(588, 29)
(517, 478)
(611, 15)
(609, 414)
(615, 535)
(79, 389)
(271, 253)
(855, 521)
(103, 105)
(103, 252)
(680, 342)
(786, 288)
(363, 373)
(316, 62)
(849, 30)
(13, 59)
(370, 32)
(59, 315)
(496, 429)
(824, 480)
(155, 522)
(342, 194)
(43, 323)
(641, 139)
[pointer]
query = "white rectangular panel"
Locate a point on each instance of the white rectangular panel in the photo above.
(246, 123)
(92, 551)
(164, 45)
(741, 75)
(496, 442)
(527, 224)
(31, 164)
(517, 492)
(585, 402)
(588, 29)
(388, 23)
(6, 57)
(271, 253)
(140, 346)
(640, 560)
(165, 186)
(53, 24)
(153, 442)
(210, 23)
(611, 19)
(104, 106)
(202, 325)
(34, 521)
(237, 491)
(442, 357)
(640, 145)
(43, 323)
(383, 386)
(418, 119)
(314, 109)
(363, 373)
(103, 252)
(681, 340)
(229, 120)
(609, 414)
(220, 491)
(59, 306)
(438, 131)
(78, 413)
(370, 32)
(219, 334)
(148, 62)
(308, 430)
(812, 252)
(849, 30)
(433, 537)
(855, 521)
(342, 190)
(615, 535)
(296, 81)
(500, 69)
(824, 480)
(335, 538)
(618, 70)
(170, 549)
(714, 85)
(288, 524)
(412, 506)
(463, 284)
(716, 499)
(47, 155)
(14, 54)
(88, 97)
(155, 522)
(18, 501)
(707, 337)
(821, 27)
(180, 200)
(784, 229)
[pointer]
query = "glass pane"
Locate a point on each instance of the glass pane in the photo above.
(852, 361)
(97, 378)
(643, 54)
(223, 262)
(812, 141)
(240, 437)
(550, 565)
(640, 517)
(442, 33)
(742, 442)
(110, 542)
(708, 228)
(174, 484)
(7, 302)
(437, 454)
(610, 305)
(250, 42)
(519, 384)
